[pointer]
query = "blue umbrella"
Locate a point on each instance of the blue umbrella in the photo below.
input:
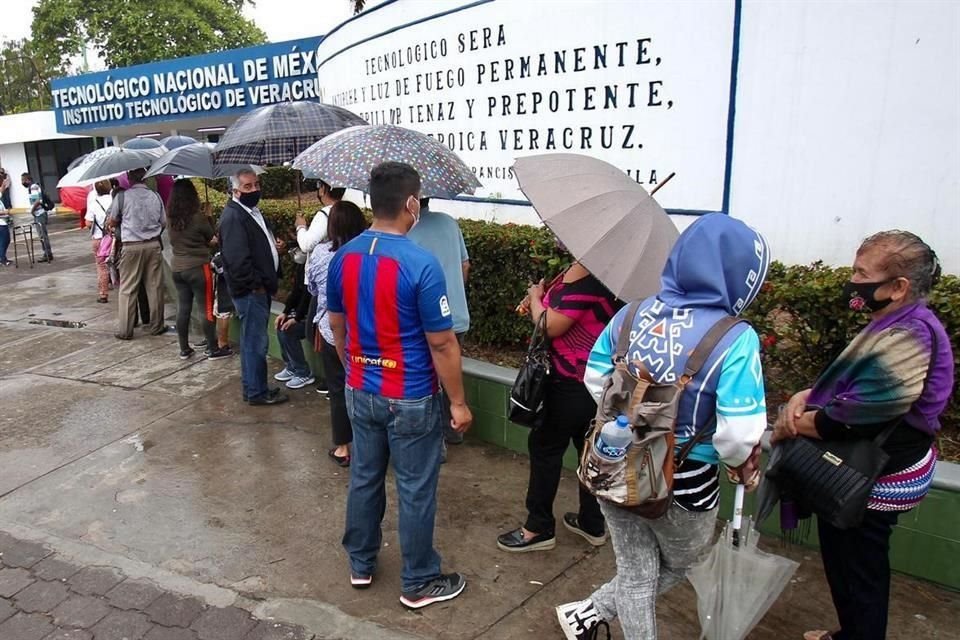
(175, 142)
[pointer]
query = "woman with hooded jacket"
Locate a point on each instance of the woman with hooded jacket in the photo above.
(716, 269)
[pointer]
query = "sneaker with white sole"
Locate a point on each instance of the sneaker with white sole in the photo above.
(581, 621)
(572, 522)
(283, 376)
(360, 582)
(440, 589)
(297, 382)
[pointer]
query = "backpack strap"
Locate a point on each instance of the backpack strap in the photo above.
(623, 341)
(698, 357)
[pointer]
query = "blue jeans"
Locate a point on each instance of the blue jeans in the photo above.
(4, 241)
(406, 432)
(253, 310)
(291, 348)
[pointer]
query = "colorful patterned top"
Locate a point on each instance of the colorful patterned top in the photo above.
(390, 291)
(899, 367)
(591, 306)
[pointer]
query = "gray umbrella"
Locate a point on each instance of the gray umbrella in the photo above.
(606, 220)
(275, 134)
(346, 158)
(194, 160)
(113, 164)
(143, 144)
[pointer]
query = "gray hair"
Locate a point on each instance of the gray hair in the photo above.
(907, 257)
(235, 178)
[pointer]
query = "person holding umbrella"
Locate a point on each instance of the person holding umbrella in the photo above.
(251, 263)
(896, 376)
(139, 213)
(98, 203)
(716, 269)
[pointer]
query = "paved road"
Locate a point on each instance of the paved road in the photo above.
(128, 475)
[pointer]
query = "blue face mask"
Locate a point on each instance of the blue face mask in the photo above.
(249, 200)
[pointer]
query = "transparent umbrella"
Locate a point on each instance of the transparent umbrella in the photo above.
(736, 583)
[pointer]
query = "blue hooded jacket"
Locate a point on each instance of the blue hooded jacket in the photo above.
(716, 268)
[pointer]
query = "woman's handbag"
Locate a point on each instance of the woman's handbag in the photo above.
(832, 479)
(530, 388)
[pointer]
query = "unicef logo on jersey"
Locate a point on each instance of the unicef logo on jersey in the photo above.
(444, 307)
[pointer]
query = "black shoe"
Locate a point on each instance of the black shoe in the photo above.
(200, 344)
(513, 542)
(120, 336)
(160, 332)
(440, 589)
(572, 522)
(186, 353)
(341, 461)
(219, 352)
(268, 398)
(581, 621)
(322, 388)
(44, 259)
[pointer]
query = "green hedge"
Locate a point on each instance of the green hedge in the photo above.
(800, 314)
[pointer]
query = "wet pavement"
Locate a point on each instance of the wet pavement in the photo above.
(119, 456)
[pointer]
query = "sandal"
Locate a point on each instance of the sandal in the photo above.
(819, 634)
(342, 461)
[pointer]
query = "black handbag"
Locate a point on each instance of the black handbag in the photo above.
(832, 479)
(530, 388)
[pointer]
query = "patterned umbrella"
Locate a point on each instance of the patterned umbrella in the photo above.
(275, 134)
(345, 159)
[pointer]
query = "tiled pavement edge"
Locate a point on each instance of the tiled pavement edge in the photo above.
(46, 597)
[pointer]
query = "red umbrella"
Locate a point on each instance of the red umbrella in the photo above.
(75, 197)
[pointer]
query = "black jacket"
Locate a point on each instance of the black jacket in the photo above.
(298, 300)
(247, 257)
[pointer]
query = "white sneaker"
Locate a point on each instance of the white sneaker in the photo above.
(578, 619)
(283, 376)
(296, 382)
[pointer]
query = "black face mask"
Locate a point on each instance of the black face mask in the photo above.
(249, 200)
(861, 296)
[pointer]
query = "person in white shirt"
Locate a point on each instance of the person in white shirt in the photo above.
(310, 237)
(98, 203)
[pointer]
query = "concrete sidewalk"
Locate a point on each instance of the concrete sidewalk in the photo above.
(118, 454)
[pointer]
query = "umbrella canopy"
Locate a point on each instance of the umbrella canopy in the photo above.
(346, 158)
(71, 177)
(275, 134)
(142, 144)
(175, 142)
(606, 220)
(195, 160)
(116, 163)
(736, 583)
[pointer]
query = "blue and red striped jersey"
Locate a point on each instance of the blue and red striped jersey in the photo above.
(390, 291)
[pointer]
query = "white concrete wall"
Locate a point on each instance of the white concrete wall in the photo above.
(14, 160)
(847, 123)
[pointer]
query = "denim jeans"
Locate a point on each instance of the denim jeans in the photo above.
(406, 433)
(40, 222)
(291, 348)
(253, 310)
(4, 241)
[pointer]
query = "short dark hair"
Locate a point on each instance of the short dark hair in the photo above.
(135, 176)
(391, 183)
(424, 203)
(336, 194)
(345, 223)
(27, 176)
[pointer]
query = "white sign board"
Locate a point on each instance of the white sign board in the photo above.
(645, 86)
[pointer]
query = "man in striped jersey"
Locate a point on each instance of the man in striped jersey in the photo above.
(388, 308)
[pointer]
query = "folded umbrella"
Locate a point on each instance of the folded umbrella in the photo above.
(345, 159)
(737, 583)
(604, 218)
(276, 133)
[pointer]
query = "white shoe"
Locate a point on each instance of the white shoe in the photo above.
(296, 382)
(283, 376)
(577, 619)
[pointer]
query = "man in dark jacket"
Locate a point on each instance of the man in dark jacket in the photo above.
(251, 264)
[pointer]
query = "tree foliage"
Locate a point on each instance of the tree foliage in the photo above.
(26, 81)
(128, 33)
(357, 5)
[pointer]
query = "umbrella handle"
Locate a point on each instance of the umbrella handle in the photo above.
(665, 181)
(737, 522)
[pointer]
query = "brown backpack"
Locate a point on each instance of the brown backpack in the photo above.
(642, 481)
